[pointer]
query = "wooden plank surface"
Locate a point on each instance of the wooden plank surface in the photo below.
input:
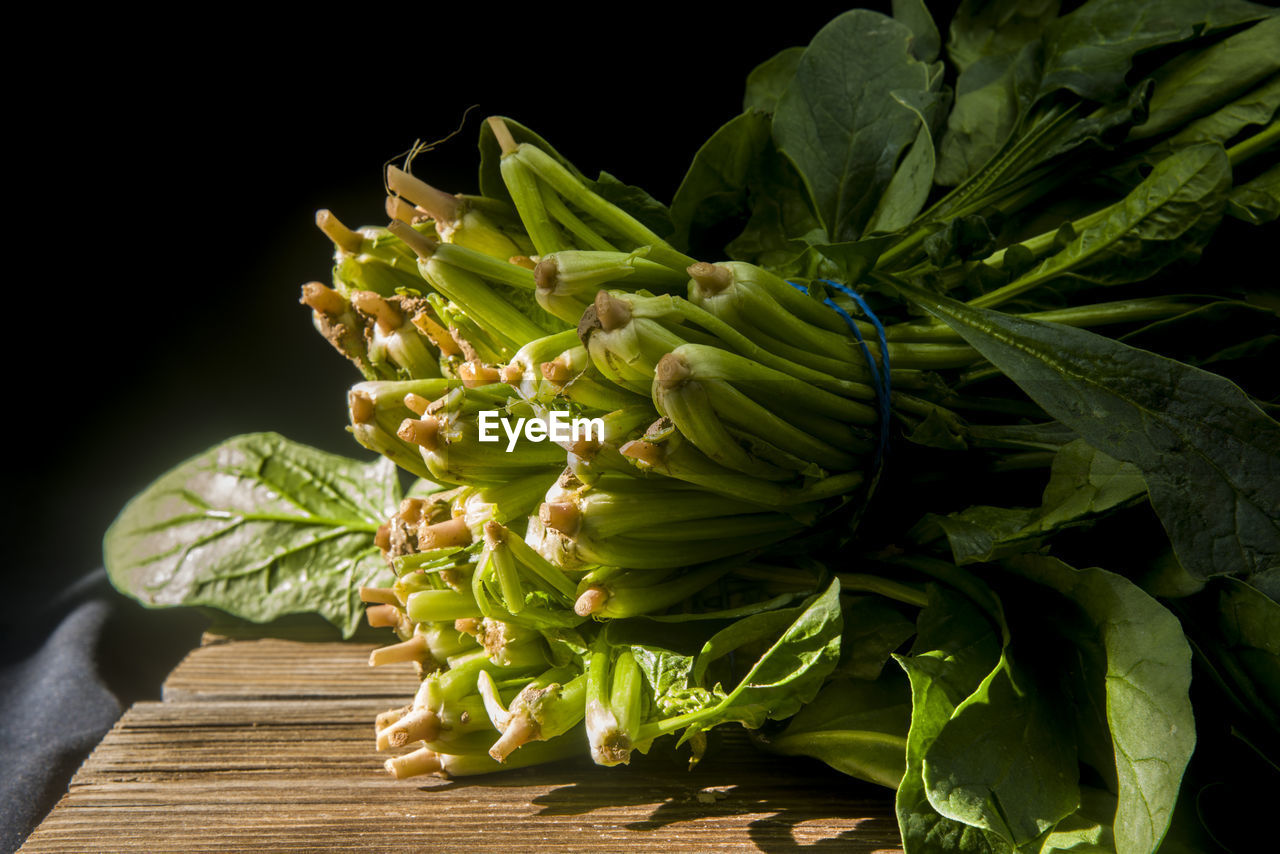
(268, 745)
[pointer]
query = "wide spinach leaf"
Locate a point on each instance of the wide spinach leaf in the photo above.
(768, 80)
(259, 527)
(839, 121)
(1138, 673)
(716, 186)
(1083, 484)
(1210, 456)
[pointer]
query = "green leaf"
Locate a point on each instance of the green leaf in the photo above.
(1257, 201)
(956, 647)
(716, 186)
(908, 189)
(1083, 484)
(803, 648)
(258, 527)
(992, 28)
(872, 631)
(1199, 82)
(1169, 216)
(925, 42)
(1091, 50)
(856, 726)
(649, 211)
(1145, 685)
(768, 80)
(839, 122)
(1255, 107)
(1210, 457)
(1005, 761)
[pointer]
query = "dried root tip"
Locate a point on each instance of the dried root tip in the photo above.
(379, 596)
(322, 300)
(387, 718)
(468, 626)
(585, 449)
(417, 404)
(410, 511)
(424, 432)
(417, 725)
(437, 334)
(422, 246)
(475, 374)
(398, 209)
(563, 517)
(523, 261)
(382, 539)
(590, 601)
(672, 371)
(519, 731)
(494, 534)
(440, 205)
(547, 274)
(511, 374)
(644, 452)
(443, 535)
(387, 318)
(611, 311)
(361, 406)
(503, 134)
(556, 371)
(382, 616)
(342, 237)
(711, 277)
(414, 649)
(422, 761)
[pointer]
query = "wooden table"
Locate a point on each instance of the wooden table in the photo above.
(268, 745)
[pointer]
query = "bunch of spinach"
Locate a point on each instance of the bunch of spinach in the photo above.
(1018, 674)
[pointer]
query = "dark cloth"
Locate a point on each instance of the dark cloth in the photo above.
(68, 669)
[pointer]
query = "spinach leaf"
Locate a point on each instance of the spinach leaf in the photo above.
(1083, 483)
(768, 80)
(956, 647)
(1210, 457)
(1199, 82)
(716, 186)
(1258, 106)
(872, 631)
(1257, 201)
(908, 189)
(856, 726)
(838, 121)
(992, 28)
(259, 527)
(792, 668)
(925, 42)
(1170, 215)
(1143, 679)
(1091, 50)
(1005, 761)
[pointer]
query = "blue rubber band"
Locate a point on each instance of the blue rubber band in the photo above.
(880, 376)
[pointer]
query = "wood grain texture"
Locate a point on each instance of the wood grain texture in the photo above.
(268, 745)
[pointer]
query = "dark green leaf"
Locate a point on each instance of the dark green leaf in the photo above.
(872, 631)
(258, 527)
(1170, 215)
(649, 211)
(1210, 457)
(1255, 107)
(1091, 50)
(1200, 82)
(716, 186)
(991, 28)
(856, 726)
(838, 121)
(1257, 201)
(1146, 683)
(925, 42)
(909, 187)
(768, 80)
(1083, 484)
